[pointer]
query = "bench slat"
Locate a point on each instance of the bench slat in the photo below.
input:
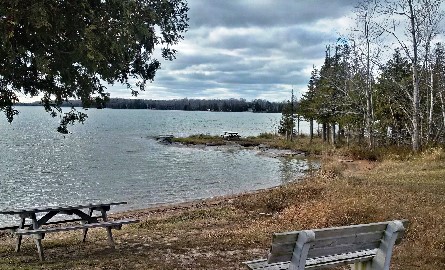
(76, 227)
(287, 248)
(342, 257)
(318, 263)
(327, 251)
(348, 239)
(15, 227)
(353, 258)
(333, 232)
(262, 264)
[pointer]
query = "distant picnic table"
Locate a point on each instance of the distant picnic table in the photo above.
(230, 135)
(37, 226)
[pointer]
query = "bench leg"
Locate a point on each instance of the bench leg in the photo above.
(40, 249)
(110, 235)
(85, 231)
(361, 266)
(19, 237)
(38, 237)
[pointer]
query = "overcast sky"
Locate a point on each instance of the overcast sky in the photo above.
(249, 49)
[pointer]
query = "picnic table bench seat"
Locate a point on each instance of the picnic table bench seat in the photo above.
(13, 228)
(117, 224)
(364, 247)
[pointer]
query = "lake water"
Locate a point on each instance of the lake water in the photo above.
(113, 157)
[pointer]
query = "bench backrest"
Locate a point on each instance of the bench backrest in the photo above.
(331, 241)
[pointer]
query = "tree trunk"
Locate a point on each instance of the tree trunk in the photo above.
(442, 106)
(340, 134)
(311, 129)
(325, 131)
(431, 105)
(333, 133)
(416, 97)
(369, 114)
(298, 124)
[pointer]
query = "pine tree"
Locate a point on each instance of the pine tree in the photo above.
(287, 122)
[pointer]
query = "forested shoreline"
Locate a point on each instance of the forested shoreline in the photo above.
(185, 104)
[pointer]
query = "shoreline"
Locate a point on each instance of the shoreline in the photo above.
(192, 204)
(261, 150)
(224, 231)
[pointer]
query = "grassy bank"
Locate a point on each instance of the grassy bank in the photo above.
(223, 232)
(299, 143)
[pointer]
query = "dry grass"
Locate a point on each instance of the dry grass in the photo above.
(220, 234)
(200, 139)
(299, 143)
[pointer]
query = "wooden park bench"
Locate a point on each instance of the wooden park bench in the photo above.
(364, 247)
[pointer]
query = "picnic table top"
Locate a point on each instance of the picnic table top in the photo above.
(56, 208)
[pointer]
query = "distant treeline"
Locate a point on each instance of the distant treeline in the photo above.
(217, 105)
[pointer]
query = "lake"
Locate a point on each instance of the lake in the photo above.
(114, 157)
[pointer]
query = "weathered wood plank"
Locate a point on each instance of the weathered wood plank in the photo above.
(76, 227)
(57, 208)
(327, 251)
(348, 239)
(324, 251)
(262, 264)
(15, 227)
(291, 236)
(286, 249)
(256, 264)
(332, 264)
(317, 263)
(351, 256)
(330, 232)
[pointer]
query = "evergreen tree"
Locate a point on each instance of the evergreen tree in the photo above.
(307, 107)
(392, 101)
(287, 122)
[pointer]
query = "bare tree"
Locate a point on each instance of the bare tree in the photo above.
(369, 34)
(421, 19)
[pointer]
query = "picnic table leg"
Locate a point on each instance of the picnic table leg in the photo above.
(19, 237)
(38, 241)
(38, 238)
(110, 235)
(85, 231)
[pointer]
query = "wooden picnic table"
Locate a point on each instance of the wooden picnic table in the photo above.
(37, 226)
(230, 135)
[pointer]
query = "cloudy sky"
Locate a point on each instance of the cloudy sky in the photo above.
(249, 49)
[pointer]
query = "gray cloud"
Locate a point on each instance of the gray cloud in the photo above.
(248, 49)
(265, 13)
